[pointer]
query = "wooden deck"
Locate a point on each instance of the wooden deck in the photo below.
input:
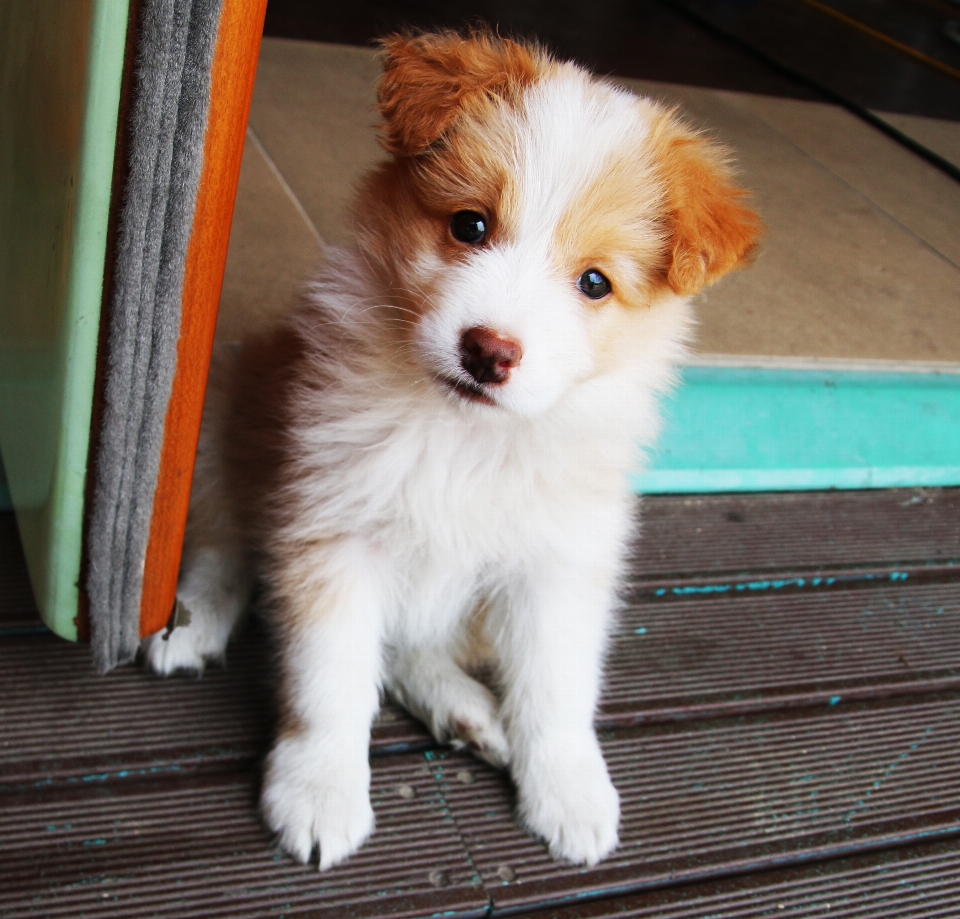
(782, 717)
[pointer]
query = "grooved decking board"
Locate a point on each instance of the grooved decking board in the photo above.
(60, 722)
(735, 650)
(195, 847)
(734, 796)
(921, 881)
(699, 534)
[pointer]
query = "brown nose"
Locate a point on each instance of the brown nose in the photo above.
(486, 356)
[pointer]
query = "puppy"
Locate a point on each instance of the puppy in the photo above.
(426, 464)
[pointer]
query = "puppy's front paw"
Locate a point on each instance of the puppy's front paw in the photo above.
(311, 803)
(573, 806)
(183, 649)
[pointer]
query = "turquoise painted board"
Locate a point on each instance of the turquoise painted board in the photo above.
(61, 63)
(758, 429)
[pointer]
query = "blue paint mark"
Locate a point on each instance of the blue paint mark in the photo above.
(94, 842)
(640, 631)
(887, 772)
(834, 700)
(692, 590)
(705, 589)
(772, 585)
(123, 774)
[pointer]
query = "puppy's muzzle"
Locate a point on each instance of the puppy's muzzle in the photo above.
(487, 357)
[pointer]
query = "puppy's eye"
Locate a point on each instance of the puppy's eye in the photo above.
(593, 284)
(468, 227)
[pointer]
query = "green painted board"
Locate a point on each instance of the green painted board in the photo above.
(768, 428)
(61, 63)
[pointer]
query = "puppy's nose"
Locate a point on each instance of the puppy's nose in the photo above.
(486, 356)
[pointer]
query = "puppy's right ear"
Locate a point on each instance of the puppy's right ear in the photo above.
(428, 80)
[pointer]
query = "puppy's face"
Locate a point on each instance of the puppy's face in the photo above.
(533, 220)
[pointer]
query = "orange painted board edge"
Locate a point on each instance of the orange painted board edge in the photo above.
(231, 92)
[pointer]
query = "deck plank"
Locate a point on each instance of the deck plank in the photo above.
(908, 883)
(720, 650)
(789, 531)
(194, 847)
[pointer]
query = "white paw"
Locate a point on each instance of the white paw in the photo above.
(461, 711)
(183, 649)
(477, 726)
(311, 804)
(573, 806)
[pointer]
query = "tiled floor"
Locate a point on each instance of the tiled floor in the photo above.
(861, 259)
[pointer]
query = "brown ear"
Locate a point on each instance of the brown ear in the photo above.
(429, 79)
(711, 231)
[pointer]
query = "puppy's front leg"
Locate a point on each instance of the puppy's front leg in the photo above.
(316, 790)
(551, 646)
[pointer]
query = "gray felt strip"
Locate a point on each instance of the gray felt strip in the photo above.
(168, 124)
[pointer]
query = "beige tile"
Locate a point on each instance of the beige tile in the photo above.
(910, 190)
(941, 136)
(272, 250)
(314, 110)
(838, 277)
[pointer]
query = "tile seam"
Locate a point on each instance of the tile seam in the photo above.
(288, 191)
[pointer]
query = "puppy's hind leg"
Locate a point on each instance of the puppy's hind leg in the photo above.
(214, 589)
(455, 707)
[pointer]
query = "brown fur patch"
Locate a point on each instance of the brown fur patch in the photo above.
(430, 80)
(614, 227)
(711, 230)
(403, 209)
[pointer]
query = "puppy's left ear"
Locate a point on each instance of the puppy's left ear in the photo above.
(428, 80)
(711, 231)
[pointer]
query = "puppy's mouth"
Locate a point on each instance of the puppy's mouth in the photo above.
(472, 392)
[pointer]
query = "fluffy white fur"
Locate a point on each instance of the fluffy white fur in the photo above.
(416, 535)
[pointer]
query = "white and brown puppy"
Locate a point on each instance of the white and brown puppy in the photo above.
(427, 463)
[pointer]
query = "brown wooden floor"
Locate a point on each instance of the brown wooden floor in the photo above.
(782, 719)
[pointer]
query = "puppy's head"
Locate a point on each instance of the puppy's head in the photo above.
(534, 223)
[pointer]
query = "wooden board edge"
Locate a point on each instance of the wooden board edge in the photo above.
(234, 71)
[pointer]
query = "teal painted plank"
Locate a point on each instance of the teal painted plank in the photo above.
(763, 429)
(61, 64)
